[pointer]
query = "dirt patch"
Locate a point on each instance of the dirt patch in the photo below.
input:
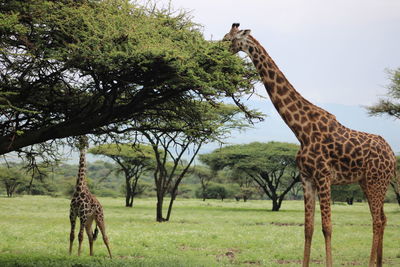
(352, 263)
(258, 263)
(297, 261)
(130, 257)
(184, 247)
(230, 255)
(287, 224)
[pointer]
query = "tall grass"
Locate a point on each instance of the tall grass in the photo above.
(34, 231)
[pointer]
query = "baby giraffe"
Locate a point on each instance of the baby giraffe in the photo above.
(85, 205)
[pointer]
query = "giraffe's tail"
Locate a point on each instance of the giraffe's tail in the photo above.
(95, 233)
(395, 183)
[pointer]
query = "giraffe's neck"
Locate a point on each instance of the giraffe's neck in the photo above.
(297, 112)
(81, 184)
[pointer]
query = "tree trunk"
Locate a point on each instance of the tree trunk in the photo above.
(349, 200)
(30, 186)
(397, 193)
(398, 197)
(133, 191)
(171, 202)
(9, 194)
(159, 210)
(128, 194)
(131, 201)
(276, 204)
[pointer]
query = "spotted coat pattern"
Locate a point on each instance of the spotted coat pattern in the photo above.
(330, 153)
(85, 206)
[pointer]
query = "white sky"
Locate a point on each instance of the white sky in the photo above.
(331, 51)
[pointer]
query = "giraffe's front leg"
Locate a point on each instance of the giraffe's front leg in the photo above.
(376, 196)
(72, 218)
(324, 195)
(309, 207)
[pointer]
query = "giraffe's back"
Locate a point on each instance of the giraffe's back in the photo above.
(359, 155)
(85, 203)
(346, 155)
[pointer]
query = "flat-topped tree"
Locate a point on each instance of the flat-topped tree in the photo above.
(175, 150)
(271, 166)
(70, 68)
(133, 160)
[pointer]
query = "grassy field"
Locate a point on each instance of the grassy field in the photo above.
(34, 231)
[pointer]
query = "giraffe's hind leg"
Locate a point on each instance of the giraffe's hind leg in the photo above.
(72, 219)
(101, 225)
(88, 228)
(80, 235)
(324, 195)
(375, 194)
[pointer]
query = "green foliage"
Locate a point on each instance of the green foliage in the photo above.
(245, 193)
(133, 161)
(271, 165)
(38, 188)
(251, 157)
(125, 152)
(72, 67)
(11, 179)
(214, 191)
(34, 232)
(390, 104)
(342, 193)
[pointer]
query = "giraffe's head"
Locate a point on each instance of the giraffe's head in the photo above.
(82, 142)
(237, 38)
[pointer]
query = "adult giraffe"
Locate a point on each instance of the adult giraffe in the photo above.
(330, 153)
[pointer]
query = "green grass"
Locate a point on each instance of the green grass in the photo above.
(34, 231)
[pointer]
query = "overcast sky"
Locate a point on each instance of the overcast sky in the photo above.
(335, 53)
(331, 51)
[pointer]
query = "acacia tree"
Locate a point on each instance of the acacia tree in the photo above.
(245, 182)
(389, 105)
(70, 68)
(170, 147)
(11, 178)
(346, 193)
(272, 166)
(395, 182)
(171, 168)
(205, 176)
(134, 160)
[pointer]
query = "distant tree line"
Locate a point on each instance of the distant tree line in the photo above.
(240, 172)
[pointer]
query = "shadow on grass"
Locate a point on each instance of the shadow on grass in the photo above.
(24, 260)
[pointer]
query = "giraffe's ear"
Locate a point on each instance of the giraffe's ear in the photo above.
(243, 34)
